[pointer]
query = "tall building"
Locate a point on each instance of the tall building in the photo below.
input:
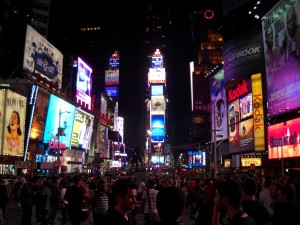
(206, 21)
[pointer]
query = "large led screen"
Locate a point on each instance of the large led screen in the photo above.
(196, 159)
(39, 116)
(157, 90)
(281, 46)
(111, 77)
(219, 106)
(157, 105)
(82, 129)
(84, 83)
(157, 128)
(42, 57)
(157, 76)
(251, 160)
(60, 115)
(283, 139)
(157, 159)
(112, 91)
(14, 122)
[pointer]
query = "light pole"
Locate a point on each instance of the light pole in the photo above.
(149, 148)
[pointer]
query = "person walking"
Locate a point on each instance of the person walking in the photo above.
(3, 197)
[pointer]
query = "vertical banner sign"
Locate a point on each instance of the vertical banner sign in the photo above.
(259, 130)
(14, 120)
(2, 108)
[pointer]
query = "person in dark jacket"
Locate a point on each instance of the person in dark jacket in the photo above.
(3, 196)
(170, 204)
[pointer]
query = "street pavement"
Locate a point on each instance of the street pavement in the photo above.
(14, 213)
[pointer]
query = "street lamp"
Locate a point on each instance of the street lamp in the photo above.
(148, 145)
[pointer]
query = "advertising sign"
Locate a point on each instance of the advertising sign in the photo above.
(196, 159)
(157, 90)
(281, 46)
(251, 160)
(2, 107)
(219, 106)
(157, 128)
(39, 116)
(111, 77)
(112, 91)
(14, 123)
(101, 141)
(157, 76)
(84, 84)
(42, 57)
(258, 119)
(82, 129)
(157, 159)
(283, 139)
(59, 123)
(25, 165)
(157, 105)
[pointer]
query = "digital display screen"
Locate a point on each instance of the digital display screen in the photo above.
(246, 107)
(157, 128)
(112, 91)
(283, 139)
(59, 123)
(82, 129)
(157, 159)
(157, 90)
(196, 159)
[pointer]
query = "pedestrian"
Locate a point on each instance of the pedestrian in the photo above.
(99, 200)
(55, 192)
(75, 196)
(25, 196)
(228, 198)
(46, 196)
(251, 206)
(3, 196)
(170, 204)
(124, 193)
(149, 197)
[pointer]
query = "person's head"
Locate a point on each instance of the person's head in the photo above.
(77, 180)
(170, 202)
(124, 192)
(151, 183)
(250, 187)
(274, 190)
(101, 185)
(228, 195)
(14, 123)
(291, 18)
(286, 194)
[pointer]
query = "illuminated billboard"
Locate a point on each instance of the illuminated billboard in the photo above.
(157, 76)
(281, 47)
(111, 77)
(112, 91)
(157, 90)
(84, 84)
(13, 122)
(196, 159)
(157, 159)
(114, 61)
(219, 106)
(60, 115)
(251, 160)
(158, 105)
(82, 129)
(157, 128)
(283, 139)
(157, 59)
(42, 57)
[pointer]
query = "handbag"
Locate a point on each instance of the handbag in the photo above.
(153, 216)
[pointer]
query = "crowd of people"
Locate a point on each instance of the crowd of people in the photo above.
(229, 199)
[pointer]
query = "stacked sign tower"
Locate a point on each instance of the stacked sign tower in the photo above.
(156, 108)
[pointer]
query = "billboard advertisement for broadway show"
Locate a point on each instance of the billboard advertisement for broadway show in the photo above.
(282, 56)
(13, 116)
(284, 139)
(59, 123)
(40, 56)
(82, 129)
(245, 116)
